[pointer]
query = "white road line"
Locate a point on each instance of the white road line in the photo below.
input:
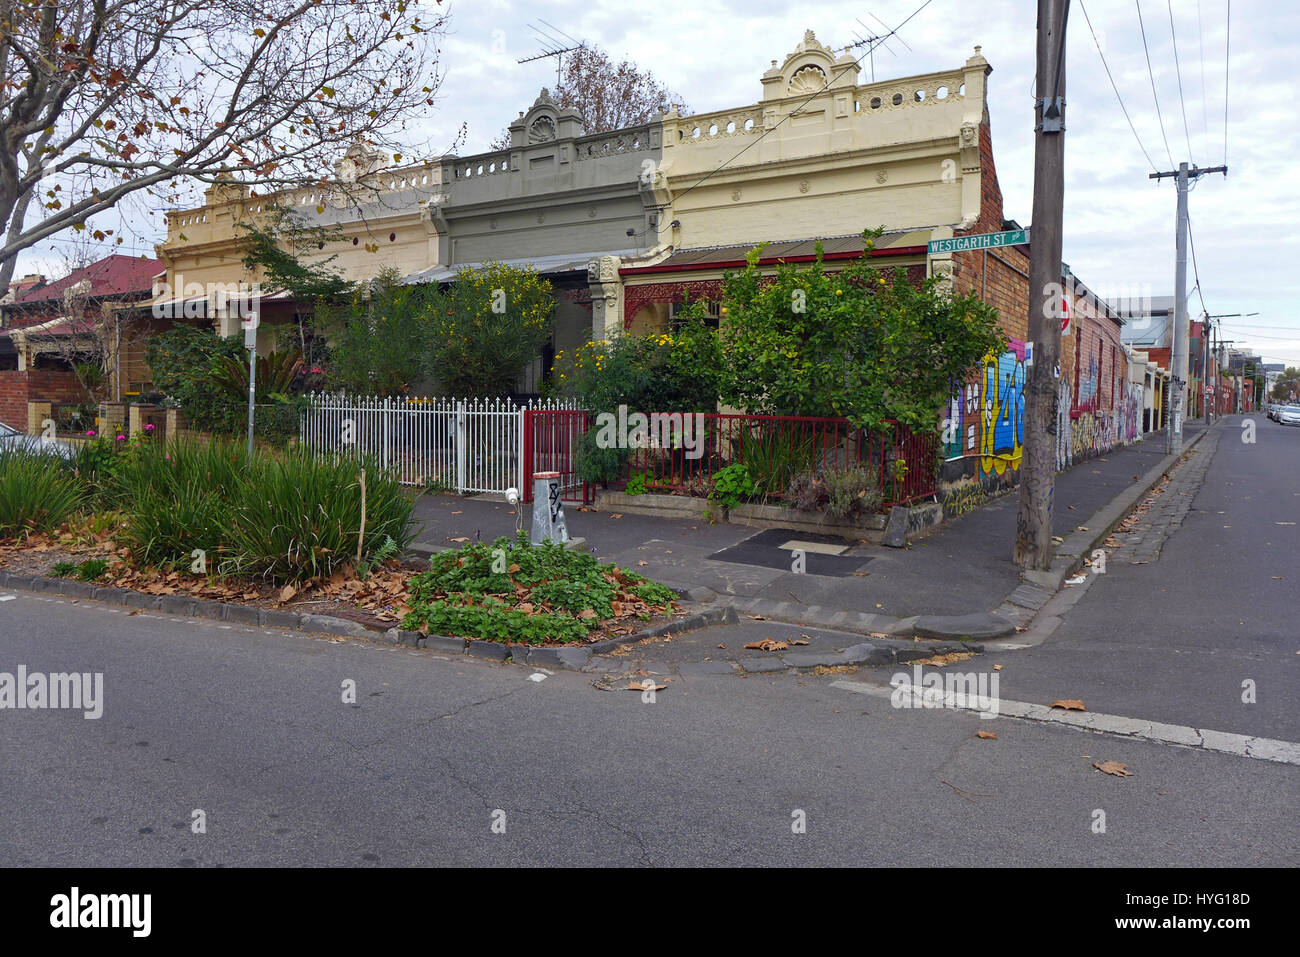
(1242, 745)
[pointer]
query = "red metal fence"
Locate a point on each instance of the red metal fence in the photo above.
(681, 453)
(551, 441)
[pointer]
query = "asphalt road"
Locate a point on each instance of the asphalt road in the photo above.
(250, 727)
(1174, 640)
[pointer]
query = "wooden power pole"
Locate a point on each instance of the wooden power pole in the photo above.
(1033, 549)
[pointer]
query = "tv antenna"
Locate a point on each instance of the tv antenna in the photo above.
(554, 42)
(873, 40)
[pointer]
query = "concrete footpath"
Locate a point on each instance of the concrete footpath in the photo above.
(956, 583)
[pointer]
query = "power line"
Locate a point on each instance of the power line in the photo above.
(1152, 75)
(1114, 87)
(1205, 99)
(1227, 47)
(1178, 71)
(1196, 273)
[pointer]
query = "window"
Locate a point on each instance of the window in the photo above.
(713, 308)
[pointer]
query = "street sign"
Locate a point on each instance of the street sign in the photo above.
(1012, 237)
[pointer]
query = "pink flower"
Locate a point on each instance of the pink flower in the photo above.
(149, 427)
(121, 438)
(317, 370)
(90, 432)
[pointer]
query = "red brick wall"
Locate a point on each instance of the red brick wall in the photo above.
(13, 399)
(999, 276)
(39, 385)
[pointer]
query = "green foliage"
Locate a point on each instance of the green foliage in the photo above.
(87, 571)
(858, 343)
(474, 591)
(272, 250)
(636, 483)
(178, 497)
(732, 485)
(658, 372)
(37, 494)
(181, 360)
(273, 375)
(486, 327)
(284, 516)
(383, 553)
(381, 336)
(774, 456)
(295, 516)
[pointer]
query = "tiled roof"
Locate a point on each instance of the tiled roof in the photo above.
(115, 275)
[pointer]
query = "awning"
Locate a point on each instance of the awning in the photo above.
(560, 263)
(788, 250)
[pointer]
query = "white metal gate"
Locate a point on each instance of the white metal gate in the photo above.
(464, 445)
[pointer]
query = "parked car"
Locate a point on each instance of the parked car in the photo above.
(1289, 415)
(11, 440)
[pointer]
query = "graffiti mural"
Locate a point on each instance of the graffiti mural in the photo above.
(1003, 426)
(986, 417)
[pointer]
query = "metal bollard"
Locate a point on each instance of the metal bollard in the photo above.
(548, 510)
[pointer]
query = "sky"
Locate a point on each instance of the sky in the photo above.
(1119, 226)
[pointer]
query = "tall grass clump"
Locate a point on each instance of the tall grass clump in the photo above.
(178, 497)
(298, 517)
(37, 494)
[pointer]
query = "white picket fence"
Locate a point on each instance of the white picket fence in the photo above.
(466, 445)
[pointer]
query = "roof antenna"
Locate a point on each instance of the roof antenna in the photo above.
(554, 42)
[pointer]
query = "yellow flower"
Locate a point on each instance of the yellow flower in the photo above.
(839, 292)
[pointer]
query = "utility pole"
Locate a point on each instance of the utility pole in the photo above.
(1213, 353)
(1033, 547)
(1178, 357)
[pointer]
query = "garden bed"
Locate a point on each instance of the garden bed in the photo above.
(288, 533)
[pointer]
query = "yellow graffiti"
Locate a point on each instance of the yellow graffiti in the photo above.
(1003, 425)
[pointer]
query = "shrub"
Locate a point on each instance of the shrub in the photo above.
(487, 327)
(298, 517)
(732, 485)
(840, 493)
(637, 482)
(182, 362)
(36, 492)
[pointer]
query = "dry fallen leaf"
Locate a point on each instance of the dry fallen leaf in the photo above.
(649, 685)
(287, 592)
(986, 735)
(615, 515)
(1070, 704)
(997, 667)
(461, 539)
(1113, 767)
(768, 644)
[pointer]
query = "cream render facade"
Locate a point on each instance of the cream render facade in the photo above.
(818, 155)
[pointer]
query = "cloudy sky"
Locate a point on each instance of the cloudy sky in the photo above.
(1119, 225)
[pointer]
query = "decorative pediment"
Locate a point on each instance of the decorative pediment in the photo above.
(810, 69)
(545, 122)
